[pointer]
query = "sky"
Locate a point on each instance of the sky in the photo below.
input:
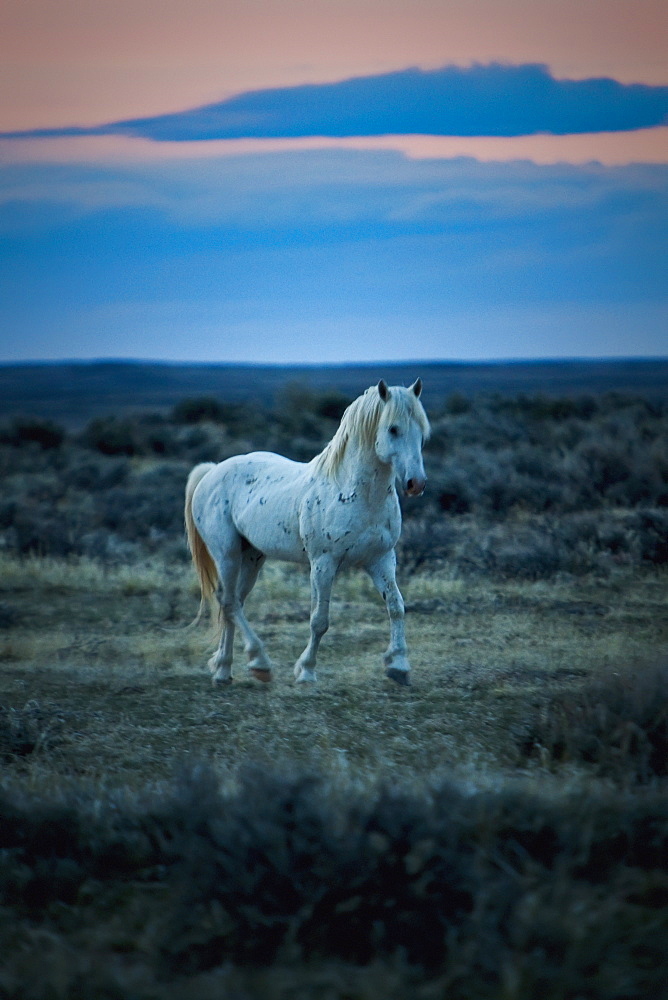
(333, 181)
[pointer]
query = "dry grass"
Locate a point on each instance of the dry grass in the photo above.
(345, 857)
(103, 650)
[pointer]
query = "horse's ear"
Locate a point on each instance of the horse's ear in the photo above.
(417, 387)
(383, 391)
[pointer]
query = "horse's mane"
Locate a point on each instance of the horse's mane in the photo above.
(360, 422)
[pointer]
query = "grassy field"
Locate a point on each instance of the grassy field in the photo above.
(123, 695)
(497, 831)
(462, 837)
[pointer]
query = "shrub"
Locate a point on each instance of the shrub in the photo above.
(525, 551)
(424, 542)
(618, 725)
(112, 436)
(7, 513)
(295, 413)
(143, 434)
(157, 435)
(39, 530)
(457, 403)
(453, 498)
(652, 530)
(148, 508)
(93, 473)
(331, 405)
(198, 409)
(547, 408)
(539, 486)
(33, 430)
(26, 731)
(9, 615)
(465, 894)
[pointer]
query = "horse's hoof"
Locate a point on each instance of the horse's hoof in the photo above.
(306, 677)
(220, 681)
(400, 676)
(260, 674)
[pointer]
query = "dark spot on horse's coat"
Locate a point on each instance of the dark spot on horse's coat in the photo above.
(349, 499)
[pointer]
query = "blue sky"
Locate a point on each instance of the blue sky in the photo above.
(164, 236)
(335, 254)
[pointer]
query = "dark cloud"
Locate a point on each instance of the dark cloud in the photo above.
(493, 100)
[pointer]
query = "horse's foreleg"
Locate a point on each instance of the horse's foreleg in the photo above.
(383, 574)
(322, 578)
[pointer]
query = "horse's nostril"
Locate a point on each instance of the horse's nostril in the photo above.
(415, 487)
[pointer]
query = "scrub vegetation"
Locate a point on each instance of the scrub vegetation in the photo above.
(497, 830)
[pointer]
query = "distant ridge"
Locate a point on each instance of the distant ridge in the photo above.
(73, 392)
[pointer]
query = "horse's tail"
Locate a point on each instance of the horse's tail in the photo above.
(202, 561)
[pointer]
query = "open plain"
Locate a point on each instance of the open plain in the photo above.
(123, 695)
(499, 829)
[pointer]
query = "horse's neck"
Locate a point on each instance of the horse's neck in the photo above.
(362, 472)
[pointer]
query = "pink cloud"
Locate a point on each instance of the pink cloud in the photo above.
(610, 149)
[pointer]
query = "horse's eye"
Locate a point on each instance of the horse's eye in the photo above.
(394, 431)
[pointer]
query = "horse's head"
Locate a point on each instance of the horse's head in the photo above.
(402, 430)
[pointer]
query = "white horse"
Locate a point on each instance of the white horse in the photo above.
(341, 509)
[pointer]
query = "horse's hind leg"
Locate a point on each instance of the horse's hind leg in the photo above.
(238, 564)
(251, 563)
(220, 664)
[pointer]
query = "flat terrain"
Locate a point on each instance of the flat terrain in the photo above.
(497, 831)
(72, 394)
(125, 699)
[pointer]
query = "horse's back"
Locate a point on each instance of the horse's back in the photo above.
(266, 462)
(256, 495)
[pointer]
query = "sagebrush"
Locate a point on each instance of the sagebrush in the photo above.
(518, 487)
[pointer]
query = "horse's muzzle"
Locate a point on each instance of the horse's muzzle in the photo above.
(415, 487)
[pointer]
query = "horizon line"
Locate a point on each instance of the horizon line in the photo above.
(166, 362)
